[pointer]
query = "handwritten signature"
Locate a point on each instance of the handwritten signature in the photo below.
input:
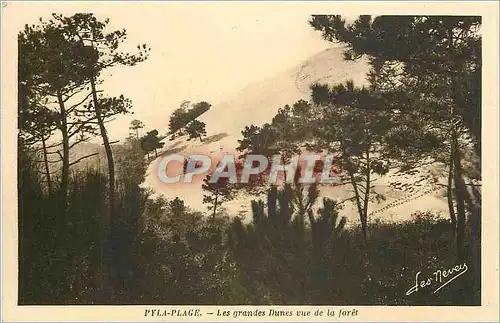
(442, 277)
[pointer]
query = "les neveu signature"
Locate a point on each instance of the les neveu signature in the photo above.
(441, 277)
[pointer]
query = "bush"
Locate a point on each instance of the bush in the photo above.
(163, 253)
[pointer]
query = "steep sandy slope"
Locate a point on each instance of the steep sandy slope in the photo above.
(258, 103)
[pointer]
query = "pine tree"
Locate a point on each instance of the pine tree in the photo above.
(151, 142)
(135, 125)
(218, 193)
(433, 77)
(183, 120)
(196, 130)
(350, 124)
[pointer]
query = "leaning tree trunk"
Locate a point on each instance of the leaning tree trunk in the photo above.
(358, 198)
(65, 154)
(449, 188)
(366, 199)
(107, 148)
(46, 165)
(106, 228)
(476, 243)
(215, 205)
(359, 206)
(61, 231)
(460, 191)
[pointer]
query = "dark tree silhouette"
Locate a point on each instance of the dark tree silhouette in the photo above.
(196, 130)
(217, 193)
(183, 120)
(151, 142)
(135, 125)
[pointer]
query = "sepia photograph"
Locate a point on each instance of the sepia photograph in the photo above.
(273, 155)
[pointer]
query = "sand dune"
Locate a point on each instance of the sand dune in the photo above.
(257, 103)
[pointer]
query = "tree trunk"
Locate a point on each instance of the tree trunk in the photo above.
(46, 163)
(283, 161)
(449, 189)
(106, 229)
(358, 205)
(107, 148)
(61, 230)
(476, 245)
(357, 195)
(215, 205)
(460, 191)
(65, 154)
(366, 200)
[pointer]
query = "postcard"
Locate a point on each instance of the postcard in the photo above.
(250, 161)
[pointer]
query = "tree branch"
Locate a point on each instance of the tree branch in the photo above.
(82, 158)
(82, 124)
(347, 199)
(79, 142)
(80, 88)
(48, 147)
(70, 109)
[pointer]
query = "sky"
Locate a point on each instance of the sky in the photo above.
(199, 51)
